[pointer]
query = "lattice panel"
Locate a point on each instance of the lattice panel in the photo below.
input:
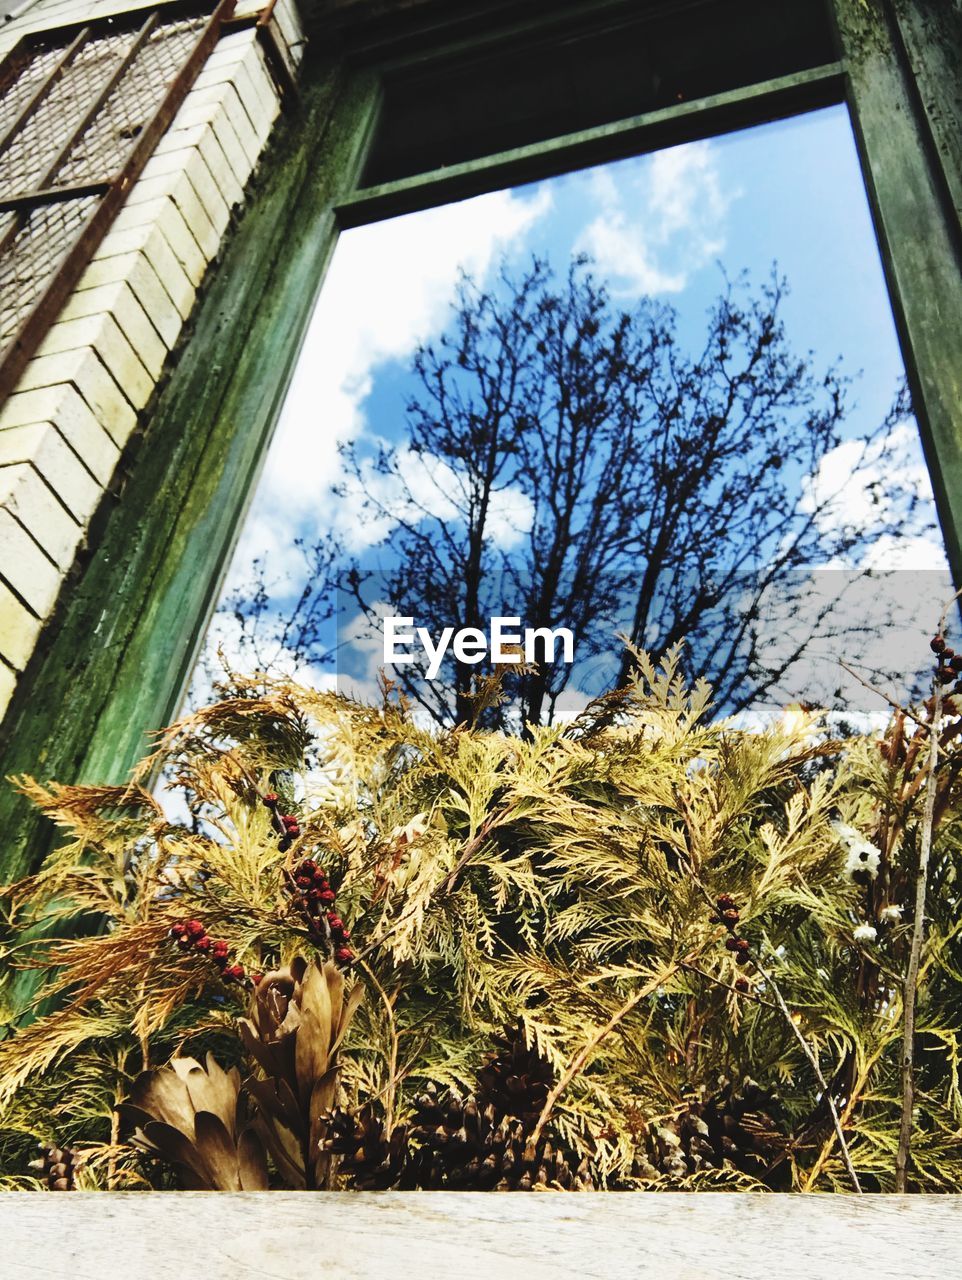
(14, 96)
(80, 111)
(35, 146)
(33, 255)
(131, 104)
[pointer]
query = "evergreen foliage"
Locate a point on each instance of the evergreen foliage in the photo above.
(637, 895)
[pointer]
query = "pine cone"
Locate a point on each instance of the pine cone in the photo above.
(190, 1117)
(514, 1079)
(57, 1166)
(372, 1160)
(455, 1144)
(738, 1127)
(298, 1017)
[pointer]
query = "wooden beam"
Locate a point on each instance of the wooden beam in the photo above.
(904, 163)
(478, 1236)
(720, 113)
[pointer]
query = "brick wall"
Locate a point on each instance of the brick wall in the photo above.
(63, 429)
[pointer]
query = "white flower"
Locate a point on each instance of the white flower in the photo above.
(890, 915)
(865, 933)
(861, 854)
(845, 832)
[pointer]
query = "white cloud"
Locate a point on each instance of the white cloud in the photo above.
(857, 488)
(424, 485)
(388, 288)
(661, 220)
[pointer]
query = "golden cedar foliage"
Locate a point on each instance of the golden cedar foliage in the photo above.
(564, 879)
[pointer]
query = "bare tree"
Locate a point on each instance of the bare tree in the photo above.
(572, 464)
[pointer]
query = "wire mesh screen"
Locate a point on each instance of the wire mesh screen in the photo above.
(80, 112)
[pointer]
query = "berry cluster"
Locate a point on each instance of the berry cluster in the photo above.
(314, 898)
(190, 935)
(285, 824)
(728, 916)
(948, 663)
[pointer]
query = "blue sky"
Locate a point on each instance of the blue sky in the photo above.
(664, 225)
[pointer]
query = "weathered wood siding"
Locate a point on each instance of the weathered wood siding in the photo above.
(64, 429)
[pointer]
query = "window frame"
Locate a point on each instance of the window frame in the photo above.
(113, 665)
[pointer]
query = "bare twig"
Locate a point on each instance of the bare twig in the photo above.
(910, 988)
(720, 982)
(812, 1057)
(906, 711)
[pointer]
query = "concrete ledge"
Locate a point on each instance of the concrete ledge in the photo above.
(434, 1236)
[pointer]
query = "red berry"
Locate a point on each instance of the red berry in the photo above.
(741, 944)
(307, 868)
(288, 820)
(194, 928)
(234, 971)
(256, 978)
(325, 895)
(334, 920)
(304, 882)
(177, 930)
(219, 948)
(314, 895)
(270, 799)
(344, 954)
(202, 943)
(936, 644)
(742, 984)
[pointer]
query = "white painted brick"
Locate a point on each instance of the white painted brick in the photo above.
(246, 9)
(153, 243)
(83, 370)
(24, 493)
(179, 188)
(190, 163)
(102, 333)
(207, 168)
(247, 68)
(26, 568)
(8, 682)
(118, 300)
(19, 629)
(229, 184)
(217, 104)
(43, 447)
(63, 406)
(144, 220)
(214, 124)
(288, 23)
(135, 269)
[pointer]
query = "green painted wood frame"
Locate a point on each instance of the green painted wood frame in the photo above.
(113, 665)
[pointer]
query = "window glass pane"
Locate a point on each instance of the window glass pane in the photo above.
(660, 398)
